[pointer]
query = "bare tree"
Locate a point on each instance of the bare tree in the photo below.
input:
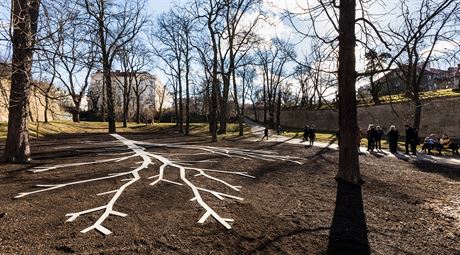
(167, 42)
(209, 12)
(247, 74)
(272, 58)
(69, 51)
(116, 24)
(420, 31)
(24, 17)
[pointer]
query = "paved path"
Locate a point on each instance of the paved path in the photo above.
(258, 130)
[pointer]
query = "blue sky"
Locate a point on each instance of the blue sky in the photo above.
(158, 6)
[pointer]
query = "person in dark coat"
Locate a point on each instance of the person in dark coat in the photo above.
(409, 137)
(306, 129)
(279, 130)
(393, 136)
(371, 137)
(312, 135)
(378, 138)
(265, 133)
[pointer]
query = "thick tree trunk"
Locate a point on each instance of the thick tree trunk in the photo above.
(418, 113)
(106, 67)
(76, 112)
(348, 124)
(110, 101)
(76, 115)
(24, 17)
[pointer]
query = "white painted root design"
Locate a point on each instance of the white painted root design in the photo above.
(147, 157)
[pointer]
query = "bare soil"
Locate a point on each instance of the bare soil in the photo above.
(402, 208)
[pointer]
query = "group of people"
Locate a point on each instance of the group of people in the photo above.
(433, 142)
(374, 137)
(376, 133)
(309, 134)
(412, 140)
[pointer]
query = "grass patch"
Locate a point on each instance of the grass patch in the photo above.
(397, 98)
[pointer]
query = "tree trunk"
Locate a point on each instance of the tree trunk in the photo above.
(110, 100)
(76, 115)
(223, 104)
(264, 98)
(254, 108)
(125, 115)
(418, 113)
(24, 17)
(138, 109)
(126, 92)
(45, 113)
(348, 124)
(214, 86)
(374, 92)
(76, 112)
(176, 107)
(187, 94)
(278, 110)
(106, 67)
(31, 115)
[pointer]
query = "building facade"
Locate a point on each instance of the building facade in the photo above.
(153, 93)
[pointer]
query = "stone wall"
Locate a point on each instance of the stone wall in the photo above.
(438, 116)
(36, 102)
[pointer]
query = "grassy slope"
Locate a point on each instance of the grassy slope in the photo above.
(423, 95)
(69, 127)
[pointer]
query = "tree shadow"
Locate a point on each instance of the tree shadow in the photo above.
(348, 234)
(449, 171)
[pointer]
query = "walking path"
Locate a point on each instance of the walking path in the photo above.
(258, 131)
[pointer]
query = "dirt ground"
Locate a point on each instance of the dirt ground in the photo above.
(403, 207)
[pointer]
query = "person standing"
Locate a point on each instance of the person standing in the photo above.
(306, 129)
(312, 134)
(279, 130)
(371, 137)
(378, 137)
(409, 137)
(393, 136)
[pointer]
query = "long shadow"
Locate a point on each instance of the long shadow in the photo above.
(348, 234)
(449, 171)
